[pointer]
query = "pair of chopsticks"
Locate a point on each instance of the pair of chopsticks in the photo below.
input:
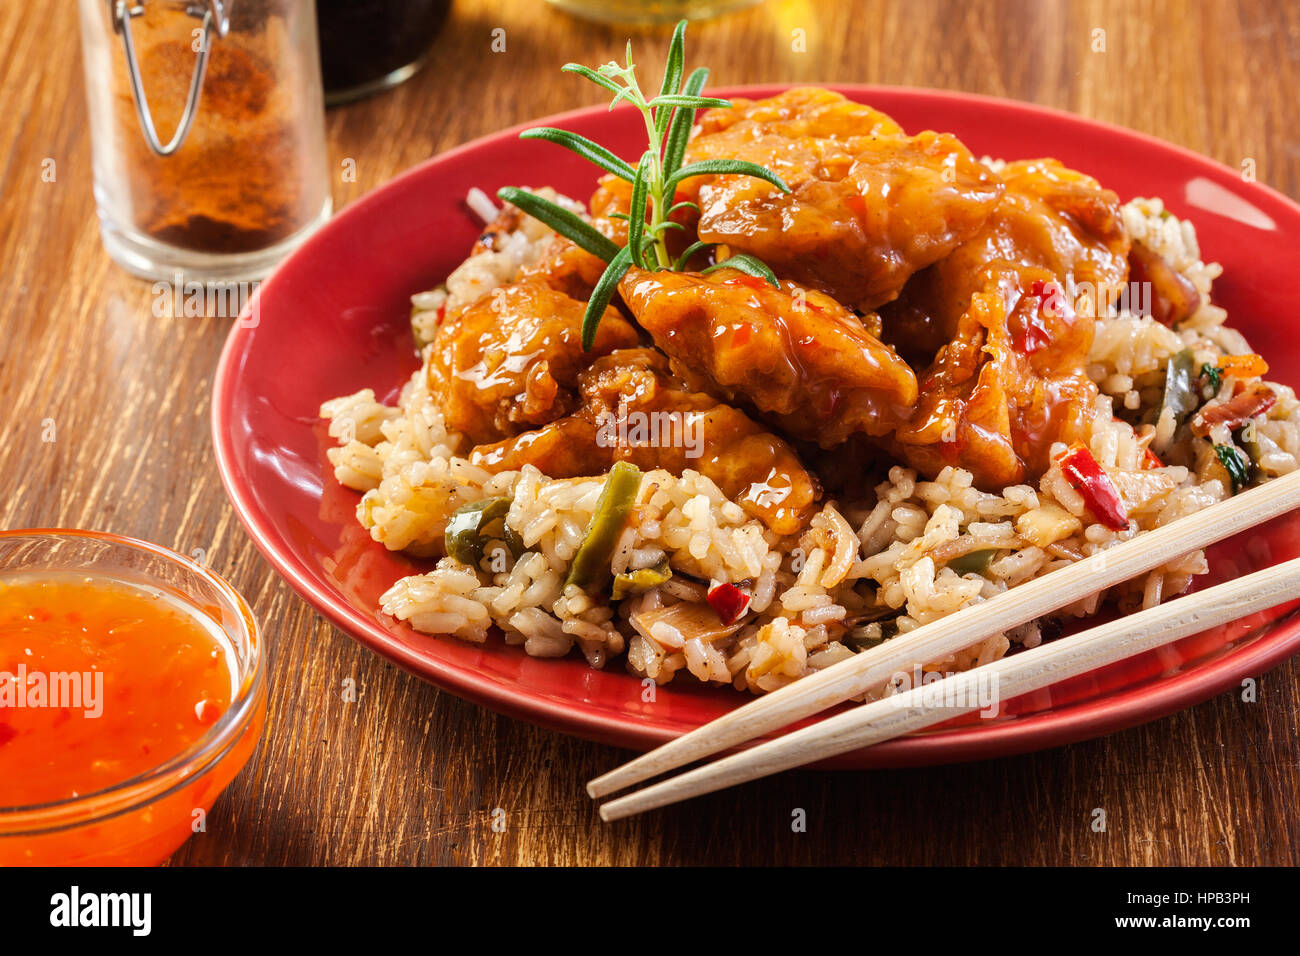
(1030, 670)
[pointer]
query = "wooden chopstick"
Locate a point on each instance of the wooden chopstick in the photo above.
(968, 691)
(948, 635)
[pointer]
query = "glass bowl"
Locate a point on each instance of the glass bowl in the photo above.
(143, 820)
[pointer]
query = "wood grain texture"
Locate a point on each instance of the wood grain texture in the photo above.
(410, 775)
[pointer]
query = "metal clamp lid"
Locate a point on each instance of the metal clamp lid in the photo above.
(215, 15)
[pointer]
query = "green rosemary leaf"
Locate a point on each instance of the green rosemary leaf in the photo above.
(667, 225)
(614, 71)
(713, 167)
(618, 215)
(649, 254)
(676, 64)
(689, 251)
(588, 73)
(601, 295)
(672, 83)
(684, 204)
(567, 224)
(680, 130)
(637, 208)
(691, 102)
(749, 265)
(593, 152)
(626, 93)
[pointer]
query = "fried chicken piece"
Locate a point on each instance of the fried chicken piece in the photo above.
(1050, 218)
(575, 271)
(565, 448)
(798, 356)
(510, 361)
(1011, 314)
(993, 406)
(567, 266)
(868, 207)
(634, 409)
(613, 197)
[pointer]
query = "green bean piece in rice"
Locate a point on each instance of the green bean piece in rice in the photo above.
(973, 562)
(590, 565)
(1248, 439)
(1181, 397)
(469, 529)
(866, 636)
(641, 580)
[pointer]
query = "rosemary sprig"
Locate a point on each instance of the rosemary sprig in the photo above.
(654, 179)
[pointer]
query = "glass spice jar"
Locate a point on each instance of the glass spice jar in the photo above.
(241, 177)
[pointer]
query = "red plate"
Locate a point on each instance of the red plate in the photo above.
(333, 319)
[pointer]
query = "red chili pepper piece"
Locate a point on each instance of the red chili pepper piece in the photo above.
(1099, 493)
(1254, 399)
(1049, 294)
(1030, 333)
(1032, 337)
(749, 281)
(729, 601)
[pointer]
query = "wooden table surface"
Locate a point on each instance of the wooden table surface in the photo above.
(410, 775)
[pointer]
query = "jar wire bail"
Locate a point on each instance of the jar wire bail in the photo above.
(215, 15)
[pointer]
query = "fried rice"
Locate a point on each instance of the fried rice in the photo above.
(865, 569)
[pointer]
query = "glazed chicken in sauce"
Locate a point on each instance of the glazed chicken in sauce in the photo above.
(1001, 328)
(930, 305)
(511, 360)
(868, 206)
(798, 356)
(619, 394)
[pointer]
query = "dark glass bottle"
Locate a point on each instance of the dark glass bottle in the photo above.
(371, 45)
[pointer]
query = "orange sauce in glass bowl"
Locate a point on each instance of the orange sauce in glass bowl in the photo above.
(127, 704)
(99, 682)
